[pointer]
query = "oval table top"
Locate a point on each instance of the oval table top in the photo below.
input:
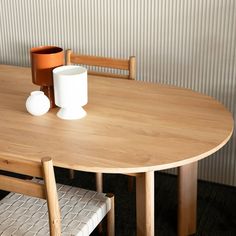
(130, 127)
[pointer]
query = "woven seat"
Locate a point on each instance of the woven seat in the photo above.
(81, 212)
(72, 210)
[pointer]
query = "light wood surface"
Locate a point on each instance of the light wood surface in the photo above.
(52, 197)
(114, 63)
(145, 203)
(187, 199)
(12, 184)
(71, 174)
(111, 216)
(96, 61)
(25, 167)
(99, 182)
(99, 188)
(156, 126)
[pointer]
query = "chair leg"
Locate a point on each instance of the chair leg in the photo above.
(130, 183)
(71, 174)
(99, 182)
(111, 217)
(99, 188)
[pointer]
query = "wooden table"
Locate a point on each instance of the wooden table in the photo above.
(131, 127)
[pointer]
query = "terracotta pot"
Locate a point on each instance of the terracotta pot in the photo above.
(43, 60)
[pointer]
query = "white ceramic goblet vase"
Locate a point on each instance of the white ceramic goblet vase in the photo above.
(70, 91)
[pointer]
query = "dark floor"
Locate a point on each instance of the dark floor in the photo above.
(216, 214)
(216, 204)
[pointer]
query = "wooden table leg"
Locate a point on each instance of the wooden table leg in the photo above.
(187, 199)
(145, 204)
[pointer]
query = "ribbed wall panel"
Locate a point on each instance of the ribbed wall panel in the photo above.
(181, 42)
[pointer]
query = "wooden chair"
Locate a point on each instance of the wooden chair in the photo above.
(128, 65)
(24, 212)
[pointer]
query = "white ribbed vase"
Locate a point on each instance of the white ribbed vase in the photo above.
(70, 91)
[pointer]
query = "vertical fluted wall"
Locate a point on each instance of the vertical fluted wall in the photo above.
(189, 43)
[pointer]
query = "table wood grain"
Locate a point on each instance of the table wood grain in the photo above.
(130, 127)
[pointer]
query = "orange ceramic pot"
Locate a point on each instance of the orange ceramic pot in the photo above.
(43, 60)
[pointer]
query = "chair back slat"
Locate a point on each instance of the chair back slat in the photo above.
(21, 166)
(120, 64)
(12, 184)
(106, 74)
(100, 61)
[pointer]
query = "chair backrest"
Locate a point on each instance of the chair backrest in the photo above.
(47, 190)
(121, 64)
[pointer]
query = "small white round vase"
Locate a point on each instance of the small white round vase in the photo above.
(37, 104)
